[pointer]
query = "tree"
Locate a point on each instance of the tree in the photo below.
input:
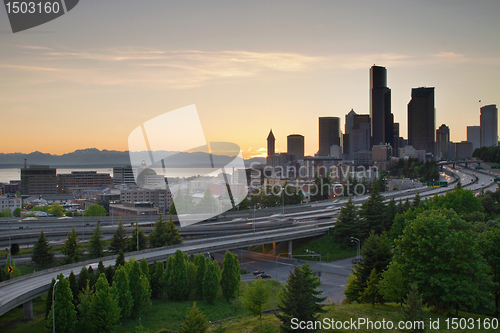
(84, 323)
(120, 260)
(376, 253)
(200, 275)
(110, 273)
(158, 237)
(230, 278)
(391, 284)
(372, 294)
(489, 243)
(179, 284)
(96, 243)
(119, 241)
(42, 254)
(413, 310)
(56, 209)
(439, 253)
(70, 248)
(95, 210)
(372, 214)
(145, 269)
(254, 298)
(132, 241)
(207, 204)
(299, 298)
(121, 288)
(65, 313)
(17, 212)
(173, 234)
(195, 321)
(104, 310)
(354, 287)
(73, 285)
(157, 281)
(347, 223)
(83, 279)
(211, 282)
(140, 289)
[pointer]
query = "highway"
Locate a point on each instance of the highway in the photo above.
(316, 221)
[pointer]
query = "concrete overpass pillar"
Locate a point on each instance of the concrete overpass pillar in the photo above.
(274, 248)
(28, 310)
(263, 248)
(290, 248)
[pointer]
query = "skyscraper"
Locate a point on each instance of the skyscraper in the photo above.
(474, 136)
(270, 144)
(443, 142)
(382, 127)
(295, 146)
(421, 119)
(349, 125)
(489, 125)
(38, 179)
(329, 134)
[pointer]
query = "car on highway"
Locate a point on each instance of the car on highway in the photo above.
(257, 272)
(264, 276)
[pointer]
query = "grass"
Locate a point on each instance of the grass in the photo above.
(162, 315)
(330, 251)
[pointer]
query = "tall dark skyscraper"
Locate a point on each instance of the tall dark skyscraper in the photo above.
(422, 119)
(382, 127)
(329, 134)
(270, 144)
(443, 142)
(489, 125)
(295, 146)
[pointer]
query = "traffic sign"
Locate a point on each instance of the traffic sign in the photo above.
(10, 269)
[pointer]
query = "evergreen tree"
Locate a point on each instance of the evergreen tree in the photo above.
(120, 260)
(254, 298)
(110, 273)
(413, 309)
(157, 281)
(84, 324)
(347, 224)
(158, 237)
(65, 313)
(179, 283)
(70, 248)
(42, 254)
(391, 211)
(376, 253)
(167, 274)
(372, 214)
(195, 321)
(132, 241)
(211, 282)
(104, 310)
(140, 289)
(145, 269)
(119, 240)
(191, 272)
(96, 243)
(73, 285)
(121, 288)
(416, 201)
(372, 294)
(100, 269)
(173, 234)
(92, 277)
(354, 287)
(391, 284)
(200, 274)
(230, 278)
(83, 279)
(299, 298)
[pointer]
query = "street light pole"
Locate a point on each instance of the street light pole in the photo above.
(253, 224)
(277, 265)
(54, 308)
(358, 253)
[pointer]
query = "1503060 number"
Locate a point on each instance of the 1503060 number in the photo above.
(22, 7)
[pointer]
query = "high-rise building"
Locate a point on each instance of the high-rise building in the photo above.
(270, 144)
(295, 146)
(443, 142)
(359, 139)
(123, 175)
(421, 119)
(382, 119)
(395, 140)
(82, 180)
(329, 134)
(348, 126)
(489, 125)
(38, 179)
(474, 136)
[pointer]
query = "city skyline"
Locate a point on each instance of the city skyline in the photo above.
(72, 85)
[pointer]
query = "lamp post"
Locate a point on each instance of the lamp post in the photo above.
(354, 239)
(277, 265)
(54, 308)
(253, 224)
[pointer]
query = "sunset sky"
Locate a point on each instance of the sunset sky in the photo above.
(90, 77)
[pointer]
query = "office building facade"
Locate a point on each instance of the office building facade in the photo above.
(38, 179)
(421, 119)
(295, 146)
(329, 134)
(474, 136)
(443, 142)
(382, 119)
(489, 125)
